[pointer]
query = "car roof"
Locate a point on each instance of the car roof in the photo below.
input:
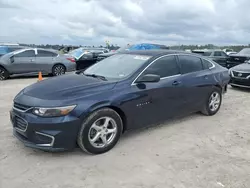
(154, 52)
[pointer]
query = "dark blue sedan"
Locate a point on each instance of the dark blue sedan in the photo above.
(92, 108)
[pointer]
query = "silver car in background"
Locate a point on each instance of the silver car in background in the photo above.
(34, 60)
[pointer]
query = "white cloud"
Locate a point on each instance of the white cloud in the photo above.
(125, 21)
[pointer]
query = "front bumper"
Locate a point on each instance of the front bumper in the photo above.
(49, 134)
(245, 83)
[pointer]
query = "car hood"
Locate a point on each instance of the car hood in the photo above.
(61, 89)
(245, 67)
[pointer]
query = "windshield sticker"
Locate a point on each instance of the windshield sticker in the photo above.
(144, 58)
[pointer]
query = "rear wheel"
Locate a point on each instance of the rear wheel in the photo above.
(58, 70)
(213, 102)
(3, 74)
(100, 131)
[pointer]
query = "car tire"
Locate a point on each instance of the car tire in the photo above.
(213, 102)
(58, 70)
(103, 124)
(4, 74)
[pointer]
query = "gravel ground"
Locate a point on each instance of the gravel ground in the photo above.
(194, 151)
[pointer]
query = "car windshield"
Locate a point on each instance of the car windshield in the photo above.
(77, 53)
(245, 51)
(117, 66)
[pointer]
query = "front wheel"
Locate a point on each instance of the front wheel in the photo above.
(213, 102)
(100, 131)
(58, 70)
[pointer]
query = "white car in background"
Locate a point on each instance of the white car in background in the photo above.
(229, 51)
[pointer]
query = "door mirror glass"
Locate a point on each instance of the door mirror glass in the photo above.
(149, 78)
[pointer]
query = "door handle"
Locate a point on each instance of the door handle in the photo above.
(206, 77)
(175, 83)
(32, 60)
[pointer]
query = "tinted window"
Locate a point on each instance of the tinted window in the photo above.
(206, 64)
(217, 53)
(166, 66)
(42, 53)
(28, 53)
(190, 64)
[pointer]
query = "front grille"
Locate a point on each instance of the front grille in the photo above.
(241, 74)
(243, 82)
(21, 106)
(20, 123)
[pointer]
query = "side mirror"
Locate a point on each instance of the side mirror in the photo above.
(149, 78)
(12, 59)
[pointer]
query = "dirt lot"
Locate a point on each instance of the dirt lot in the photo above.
(195, 151)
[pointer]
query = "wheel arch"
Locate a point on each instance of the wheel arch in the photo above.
(59, 64)
(117, 109)
(4, 68)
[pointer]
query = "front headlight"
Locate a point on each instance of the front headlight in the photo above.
(229, 71)
(53, 112)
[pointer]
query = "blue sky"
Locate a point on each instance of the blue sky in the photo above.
(91, 22)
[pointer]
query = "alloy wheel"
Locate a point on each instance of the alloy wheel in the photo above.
(102, 132)
(214, 101)
(2, 74)
(59, 70)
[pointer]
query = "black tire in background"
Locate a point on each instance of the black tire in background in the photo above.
(84, 140)
(58, 70)
(216, 96)
(4, 74)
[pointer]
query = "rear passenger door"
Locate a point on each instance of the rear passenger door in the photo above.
(195, 81)
(44, 60)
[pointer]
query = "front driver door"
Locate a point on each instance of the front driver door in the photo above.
(24, 62)
(156, 102)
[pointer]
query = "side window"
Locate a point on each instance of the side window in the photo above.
(43, 53)
(217, 53)
(190, 64)
(206, 64)
(223, 54)
(27, 53)
(165, 66)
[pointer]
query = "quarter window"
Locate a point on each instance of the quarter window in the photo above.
(27, 53)
(190, 64)
(164, 67)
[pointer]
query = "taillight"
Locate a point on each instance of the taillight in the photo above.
(71, 59)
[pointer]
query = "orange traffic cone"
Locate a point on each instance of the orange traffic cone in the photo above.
(40, 76)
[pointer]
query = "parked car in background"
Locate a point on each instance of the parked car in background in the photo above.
(242, 56)
(34, 60)
(219, 56)
(126, 91)
(7, 49)
(86, 57)
(229, 51)
(143, 46)
(240, 75)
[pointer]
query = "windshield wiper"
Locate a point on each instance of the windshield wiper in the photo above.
(96, 76)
